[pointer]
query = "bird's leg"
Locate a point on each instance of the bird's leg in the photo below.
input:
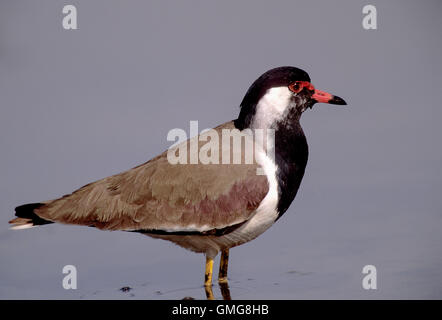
(209, 293)
(208, 278)
(208, 273)
(223, 265)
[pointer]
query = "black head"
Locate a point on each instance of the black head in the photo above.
(280, 92)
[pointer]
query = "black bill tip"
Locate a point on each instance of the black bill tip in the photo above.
(337, 100)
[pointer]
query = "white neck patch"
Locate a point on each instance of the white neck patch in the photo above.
(272, 107)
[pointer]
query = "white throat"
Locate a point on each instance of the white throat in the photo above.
(273, 106)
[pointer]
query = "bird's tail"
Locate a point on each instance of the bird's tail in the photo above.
(26, 217)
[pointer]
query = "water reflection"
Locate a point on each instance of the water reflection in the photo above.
(224, 288)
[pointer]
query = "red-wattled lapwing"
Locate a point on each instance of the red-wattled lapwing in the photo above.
(205, 207)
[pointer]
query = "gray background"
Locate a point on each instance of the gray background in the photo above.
(77, 106)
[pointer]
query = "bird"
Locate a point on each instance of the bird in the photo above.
(207, 207)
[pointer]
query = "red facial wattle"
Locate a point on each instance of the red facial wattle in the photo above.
(318, 95)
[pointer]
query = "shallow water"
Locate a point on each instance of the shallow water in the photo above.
(316, 253)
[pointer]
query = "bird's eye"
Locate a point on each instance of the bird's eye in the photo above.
(296, 87)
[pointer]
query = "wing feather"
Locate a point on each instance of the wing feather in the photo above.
(159, 195)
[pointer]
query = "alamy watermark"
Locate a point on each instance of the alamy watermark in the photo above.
(69, 21)
(370, 281)
(370, 19)
(70, 280)
(222, 146)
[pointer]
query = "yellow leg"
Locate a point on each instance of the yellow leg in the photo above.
(208, 273)
(223, 265)
(208, 278)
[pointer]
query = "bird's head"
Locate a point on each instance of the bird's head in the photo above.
(280, 94)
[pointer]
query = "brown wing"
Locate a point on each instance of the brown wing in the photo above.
(161, 196)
